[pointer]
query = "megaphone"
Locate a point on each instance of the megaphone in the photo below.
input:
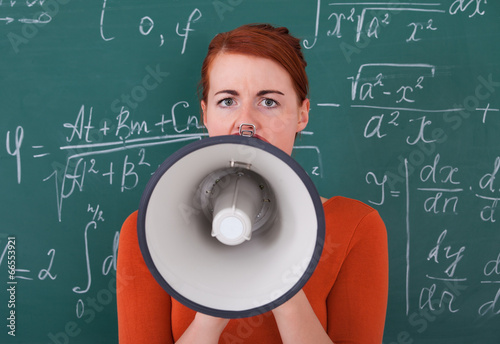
(231, 226)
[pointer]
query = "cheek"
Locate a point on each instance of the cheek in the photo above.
(216, 127)
(280, 134)
(276, 127)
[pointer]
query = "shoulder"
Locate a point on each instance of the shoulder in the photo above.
(128, 247)
(349, 217)
(354, 235)
(131, 220)
(129, 228)
(346, 207)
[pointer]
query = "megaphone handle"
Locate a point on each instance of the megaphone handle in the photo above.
(235, 210)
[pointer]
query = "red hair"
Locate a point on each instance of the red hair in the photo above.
(261, 40)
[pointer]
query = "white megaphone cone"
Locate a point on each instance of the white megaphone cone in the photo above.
(231, 226)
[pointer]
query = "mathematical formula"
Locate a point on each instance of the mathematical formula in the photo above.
(394, 107)
(365, 21)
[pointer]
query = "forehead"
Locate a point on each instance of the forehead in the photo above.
(239, 71)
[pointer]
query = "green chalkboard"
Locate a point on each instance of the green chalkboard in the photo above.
(405, 116)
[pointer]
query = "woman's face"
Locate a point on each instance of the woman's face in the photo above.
(253, 90)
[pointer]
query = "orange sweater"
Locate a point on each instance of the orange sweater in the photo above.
(348, 289)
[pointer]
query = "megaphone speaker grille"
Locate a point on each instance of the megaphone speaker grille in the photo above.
(251, 276)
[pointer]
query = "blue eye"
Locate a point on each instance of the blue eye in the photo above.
(226, 102)
(267, 102)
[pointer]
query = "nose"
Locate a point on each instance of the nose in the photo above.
(246, 122)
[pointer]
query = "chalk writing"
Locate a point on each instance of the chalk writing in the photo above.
(16, 150)
(38, 18)
(146, 25)
(408, 123)
(487, 183)
(369, 18)
(193, 18)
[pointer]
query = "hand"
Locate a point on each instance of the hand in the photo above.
(295, 304)
(210, 323)
(298, 323)
(204, 329)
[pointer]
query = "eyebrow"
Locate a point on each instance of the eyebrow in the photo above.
(259, 94)
(264, 92)
(231, 92)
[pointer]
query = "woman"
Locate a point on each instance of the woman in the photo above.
(255, 75)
